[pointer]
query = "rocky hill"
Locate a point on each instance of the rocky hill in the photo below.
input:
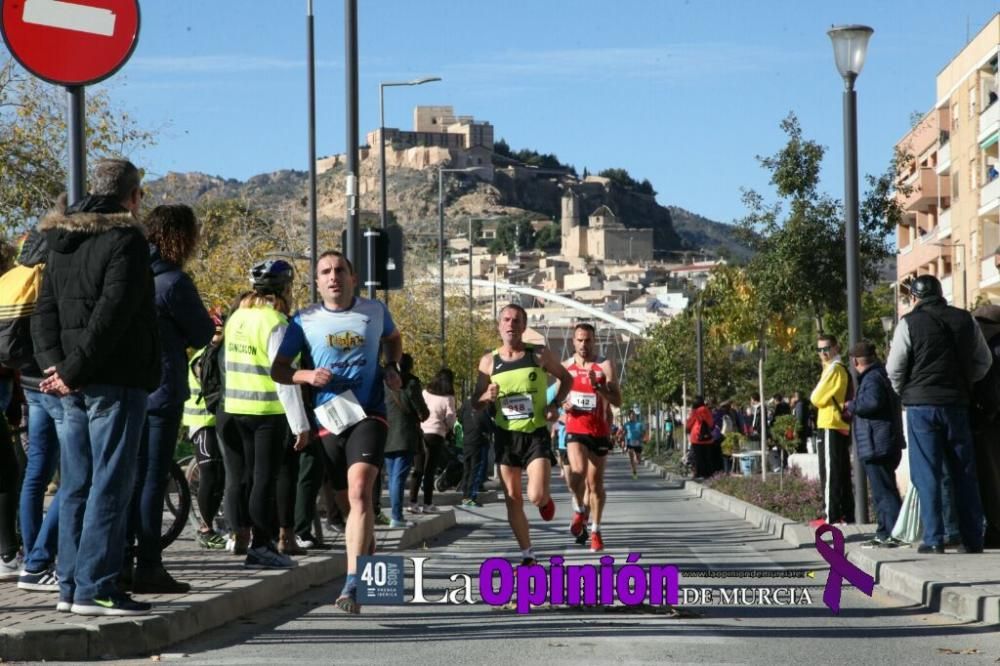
(412, 199)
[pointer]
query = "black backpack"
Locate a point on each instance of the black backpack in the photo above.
(208, 368)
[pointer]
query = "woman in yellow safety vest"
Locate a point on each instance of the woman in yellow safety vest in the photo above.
(256, 433)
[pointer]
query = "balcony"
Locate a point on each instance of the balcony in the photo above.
(989, 195)
(924, 194)
(944, 159)
(988, 274)
(989, 122)
(946, 289)
(944, 223)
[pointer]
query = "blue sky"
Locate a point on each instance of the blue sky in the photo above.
(682, 93)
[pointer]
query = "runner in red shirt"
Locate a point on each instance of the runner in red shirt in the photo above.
(588, 431)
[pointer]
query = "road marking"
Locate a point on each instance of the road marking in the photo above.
(70, 16)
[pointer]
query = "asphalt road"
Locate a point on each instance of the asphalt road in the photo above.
(648, 516)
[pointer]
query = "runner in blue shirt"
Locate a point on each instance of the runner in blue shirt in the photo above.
(635, 431)
(340, 338)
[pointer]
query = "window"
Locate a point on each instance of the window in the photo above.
(954, 116)
(956, 178)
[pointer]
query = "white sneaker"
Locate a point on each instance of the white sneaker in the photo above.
(268, 557)
(11, 570)
(304, 543)
(430, 508)
(415, 508)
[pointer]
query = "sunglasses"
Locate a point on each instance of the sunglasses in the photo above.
(823, 350)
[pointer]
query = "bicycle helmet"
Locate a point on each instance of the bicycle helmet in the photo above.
(925, 286)
(271, 276)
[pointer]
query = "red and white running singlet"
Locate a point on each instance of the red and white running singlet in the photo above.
(589, 413)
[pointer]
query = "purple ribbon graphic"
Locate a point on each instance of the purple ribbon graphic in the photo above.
(840, 568)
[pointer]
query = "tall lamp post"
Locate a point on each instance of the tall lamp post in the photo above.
(441, 172)
(311, 85)
(850, 42)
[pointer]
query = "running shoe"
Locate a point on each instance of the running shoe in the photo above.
(116, 604)
(471, 502)
(235, 545)
(529, 562)
(267, 557)
(381, 519)
(548, 512)
(401, 524)
(11, 569)
(429, 508)
(414, 508)
(635, 476)
(583, 538)
(348, 602)
(211, 540)
(64, 605)
(596, 542)
(337, 526)
(43, 581)
(306, 540)
(579, 524)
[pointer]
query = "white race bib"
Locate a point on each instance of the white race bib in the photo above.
(517, 407)
(583, 402)
(341, 413)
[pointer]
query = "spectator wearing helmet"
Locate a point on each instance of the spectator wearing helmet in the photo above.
(183, 322)
(937, 353)
(255, 407)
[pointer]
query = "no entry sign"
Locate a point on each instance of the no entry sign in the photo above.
(70, 42)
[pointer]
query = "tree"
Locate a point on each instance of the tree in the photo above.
(33, 142)
(525, 235)
(624, 179)
(799, 239)
(549, 237)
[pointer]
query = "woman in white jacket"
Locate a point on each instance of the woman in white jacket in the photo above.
(439, 394)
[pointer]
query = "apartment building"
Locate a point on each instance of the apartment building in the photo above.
(951, 198)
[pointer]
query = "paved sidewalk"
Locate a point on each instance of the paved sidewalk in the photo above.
(223, 592)
(966, 587)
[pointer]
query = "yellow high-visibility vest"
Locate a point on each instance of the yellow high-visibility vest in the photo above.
(249, 388)
(195, 413)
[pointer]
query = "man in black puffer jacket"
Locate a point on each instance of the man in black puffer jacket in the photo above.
(878, 431)
(96, 340)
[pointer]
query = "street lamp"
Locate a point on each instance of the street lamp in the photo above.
(441, 172)
(850, 42)
(384, 214)
(700, 342)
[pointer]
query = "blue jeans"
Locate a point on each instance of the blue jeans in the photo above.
(41, 536)
(397, 466)
(939, 436)
(99, 441)
(156, 454)
(881, 473)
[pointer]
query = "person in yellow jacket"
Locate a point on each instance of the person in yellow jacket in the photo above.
(834, 444)
(257, 435)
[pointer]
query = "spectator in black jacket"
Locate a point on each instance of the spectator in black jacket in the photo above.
(405, 409)
(878, 431)
(96, 340)
(183, 322)
(477, 438)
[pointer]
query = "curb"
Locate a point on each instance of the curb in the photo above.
(972, 601)
(181, 618)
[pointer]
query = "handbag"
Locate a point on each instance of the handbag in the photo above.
(908, 527)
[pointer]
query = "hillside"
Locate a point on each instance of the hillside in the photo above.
(412, 199)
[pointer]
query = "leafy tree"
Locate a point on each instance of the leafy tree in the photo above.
(799, 239)
(33, 142)
(623, 178)
(549, 237)
(525, 235)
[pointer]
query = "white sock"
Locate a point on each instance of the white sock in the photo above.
(528, 552)
(595, 526)
(578, 508)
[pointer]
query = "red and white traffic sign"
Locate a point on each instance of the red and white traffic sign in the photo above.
(70, 42)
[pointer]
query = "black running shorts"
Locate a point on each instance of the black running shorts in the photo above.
(599, 446)
(362, 442)
(518, 449)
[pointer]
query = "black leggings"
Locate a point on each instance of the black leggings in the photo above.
(9, 473)
(211, 474)
(425, 465)
(288, 485)
(254, 446)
